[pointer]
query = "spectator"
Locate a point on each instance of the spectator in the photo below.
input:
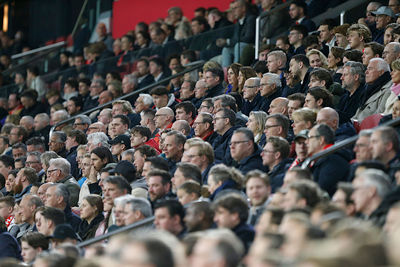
(91, 213)
(168, 216)
(224, 121)
(47, 218)
(258, 190)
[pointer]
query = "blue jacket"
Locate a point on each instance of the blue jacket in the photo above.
(254, 105)
(252, 162)
(9, 247)
(222, 151)
(245, 233)
(268, 99)
(277, 173)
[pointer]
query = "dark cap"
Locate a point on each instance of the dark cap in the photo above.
(121, 139)
(126, 169)
(302, 134)
(64, 231)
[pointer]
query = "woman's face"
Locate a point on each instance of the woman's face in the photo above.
(96, 162)
(232, 79)
(252, 124)
(299, 125)
(395, 76)
(241, 78)
(331, 61)
(396, 109)
(10, 182)
(87, 211)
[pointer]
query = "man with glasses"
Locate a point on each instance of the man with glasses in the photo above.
(201, 154)
(270, 88)
(245, 153)
(275, 157)
(82, 123)
(33, 161)
(329, 170)
(277, 125)
(203, 127)
(224, 121)
(251, 95)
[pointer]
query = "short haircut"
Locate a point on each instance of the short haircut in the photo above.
(140, 204)
(246, 132)
(302, 174)
(223, 173)
(53, 214)
(258, 175)
(61, 136)
(356, 68)
(188, 107)
(190, 171)
(191, 187)
(297, 97)
(36, 141)
(8, 200)
(217, 72)
(301, 58)
(325, 131)
(280, 145)
(362, 30)
(124, 119)
(281, 120)
(273, 78)
(80, 136)
(378, 179)
(121, 183)
(323, 75)
(353, 55)
(62, 164)
(7, 161)
(301, 29)
(165, 175)
(180, 139)
(234, 203)
(331, 23)
(229, 114)
(141, 130)
(377, 48)
(126, 105)
(36, 240)
(147, 151)
(321, 93)
(174, 207)
(307, 190)
(205, 149)
(158, 163)
(348, 190)
(389, 135)
(191, 54)
(30, 174)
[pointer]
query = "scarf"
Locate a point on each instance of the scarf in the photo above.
(396, 88)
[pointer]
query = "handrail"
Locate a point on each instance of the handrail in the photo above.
(342, 144)
(117, 231)
(40, 49)
(193, 66)
(79, 18)
(263, 15)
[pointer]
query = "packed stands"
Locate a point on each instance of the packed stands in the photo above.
(176, 145)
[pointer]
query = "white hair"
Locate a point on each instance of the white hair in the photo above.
(147, 99)
(98, 137)
(273, 78)
(381, 64)
(61, 164)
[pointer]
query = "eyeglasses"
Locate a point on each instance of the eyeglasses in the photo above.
(313, 136)
(267, 151)
(197, 123)
(50, 171)
(264, 84)
(254, 86)
(191, 156)
(158, 115)
(237, 142)
(271, 126)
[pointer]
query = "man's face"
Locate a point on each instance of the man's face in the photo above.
(294, 67)
(272, 128)
(117, 127)
(224, 219)
(382, 21)
(178, 179)
(268, 155)
(33, 162)
(315, 61)
(211, 81)
(293, 105)
(163, 220)
(200, 127)
(156, 188)
(372, 73)
(220, 122)
(160, 100)
(4, 170)
(273, 64)
(71, 107)
(324, 34)
(290, 199)
(389, 54)
(51, 198)
(265, 87)
(348, 79)
(377, 146)
(295, 37)
(257, 191)
(12, 101)
(240, 146)
(294, 12)
(172, 150)
(200, 89)
(315, 82)
(79, 125)
(111, 191)
(142, 68)
(28, 252)
(368, 54)
(117, 109)
(301, 148)
(311, 102)
(129, 215)
(196, 27)
(262, 56)
(117, 149)
(52, 174)
(95, 89)
(42, 224)
(127, 86)
(354, 39)
(192, 219)
(249, 90)
(18, 152)
(361, 195)
(186, 93)
(26, 210)
(362, 149)
(137, 139)
(276, 107)
(239, 10)
(14, 136)
(313, 142)
(182, 115)
(194, 157)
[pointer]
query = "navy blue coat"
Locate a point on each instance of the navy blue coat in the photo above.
(148, 79)
(252, 162)
(72, 219)
(348, 105)
(222, 152)
(9, 247)
(245, 233)
(254, 105)
(277, 174)
(330, 170)
(71, 157)
(268, 99)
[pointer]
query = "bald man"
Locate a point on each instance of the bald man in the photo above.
(96, 127)
(279, 106)
(164, 117)
(330, 117)
(181, 126)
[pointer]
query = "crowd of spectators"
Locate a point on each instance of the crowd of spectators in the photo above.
(216, 155)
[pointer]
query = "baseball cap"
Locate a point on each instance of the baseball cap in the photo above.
(302, 134)
(121, 139)
(384, 10)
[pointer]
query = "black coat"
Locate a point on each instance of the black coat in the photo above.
(348, 105)
(277, 173)
(246, 234)
(87, 231)
(252, 162)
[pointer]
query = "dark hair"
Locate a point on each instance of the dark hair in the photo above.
(353, 55)
(230, 114)
(188, 107)
(147, 151)
(321, 93)
(302, 58)
(84, 80)
(77, 101)
(325, 131)
(80, 137)
(158, 61)
(159, 90)
(234, 203)
(191, 54)
(95, 201)
(307, 190)
(281, 120)
(7, 161)
(55, 215)
(120, 182)
(190, 171)
(323, 75)
(301, 29)
(103, 153)
(174, 207)
(376, 48)
(165, 175)
(36, 240)
(217, 72)
(73, 83)
(124, 119)
(310, 40)
(158, 163)
(260, 67)
(142, 130)
(297, 97)
(330, 22)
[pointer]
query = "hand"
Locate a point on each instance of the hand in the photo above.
(221, 42)
(92, 175)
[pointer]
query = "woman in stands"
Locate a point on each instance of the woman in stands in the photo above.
(142, 39)
(91, 212)
(221, 178)
(335, 62)
(232, 75)
(244, 74)
(99, 158)
(303, 119)
(256, 124)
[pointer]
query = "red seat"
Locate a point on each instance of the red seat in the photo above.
(371, 121)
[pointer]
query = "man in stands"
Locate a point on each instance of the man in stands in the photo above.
(159, 182)
(299, 67)
(168, 216)
(213, 79)
(277, 125)
(270, 89)
(162, 98)
(143, 73)
(258, 190)
(185, 111)
(204, 128)
(173, 148)
(224, 121)
(251, 95)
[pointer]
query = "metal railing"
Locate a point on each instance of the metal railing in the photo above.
(130, 227)
(342, 144)
(263, 15)
(191, 67)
